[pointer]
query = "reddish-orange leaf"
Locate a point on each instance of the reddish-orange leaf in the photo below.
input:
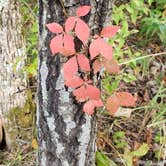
(89, 107)
(83, 62)
(111, 66)
(82, 10)
(98, 103)
(94, 48)
(82, 30)
(74, 82)
(81, 94)
(112, 104)
(93, 92)
(68, 45)
(69, 24)
(56, 44)
(55, 27)
(97, 65)
(126, 99)
(109, 31)
(99, 46)
(70, 68)
(105, 49)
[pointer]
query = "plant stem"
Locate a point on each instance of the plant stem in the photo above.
(142, 57)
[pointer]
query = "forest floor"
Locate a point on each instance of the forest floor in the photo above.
(138, 137)
(135, 137)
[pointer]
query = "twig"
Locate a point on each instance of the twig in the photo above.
(63, 7)
(116, 151)
(142, 57)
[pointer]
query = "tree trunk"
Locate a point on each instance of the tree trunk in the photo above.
(66, 135)
(12, 49)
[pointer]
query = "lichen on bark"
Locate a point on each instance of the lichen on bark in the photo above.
(12, 48)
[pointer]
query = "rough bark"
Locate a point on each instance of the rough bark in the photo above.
(12, 47)
(66, 136)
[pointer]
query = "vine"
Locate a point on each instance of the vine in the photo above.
(77, 70)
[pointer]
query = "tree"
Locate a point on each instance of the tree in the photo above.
(66, 135)
(12, 49)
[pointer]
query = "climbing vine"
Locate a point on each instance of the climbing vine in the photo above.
(93, 55)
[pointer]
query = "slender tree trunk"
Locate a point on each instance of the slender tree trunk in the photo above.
(12, 49)
(66, 135)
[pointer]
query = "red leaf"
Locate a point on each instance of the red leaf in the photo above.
(56, 44)
(94, 48)
(109, 31)
(89, 107)
(111, 66)
(97, 103)
(74, 82)
(112, 104)
(82, 10)
(105, 49)
(93, 92)
(99, 46)
(97, 65)
(126, 99)
(80, 94)
(69, 24)
(87, 91)
(55, 27)
(83, 62)
(82, 30)
(70, 68)
(69, 47)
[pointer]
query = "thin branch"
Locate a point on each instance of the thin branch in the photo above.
(63, 7)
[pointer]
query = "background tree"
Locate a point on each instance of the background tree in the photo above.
(66, 135)
(12, 50)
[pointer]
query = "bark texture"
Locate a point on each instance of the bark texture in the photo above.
(12, 49)
(66, 135)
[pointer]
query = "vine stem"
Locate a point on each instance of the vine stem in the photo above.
(63, 7)
(142, 57)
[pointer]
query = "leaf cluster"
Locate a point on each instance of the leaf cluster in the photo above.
(77, 70)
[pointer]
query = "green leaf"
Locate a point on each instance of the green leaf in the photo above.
(141, 151)
(128, 77)
(128, 157)
(119, 134)
(150, 2)
(103, 160)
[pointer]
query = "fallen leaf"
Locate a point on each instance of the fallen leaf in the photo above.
(34, 144)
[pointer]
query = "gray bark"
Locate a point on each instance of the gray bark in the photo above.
(66, 136)
(12, 48)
